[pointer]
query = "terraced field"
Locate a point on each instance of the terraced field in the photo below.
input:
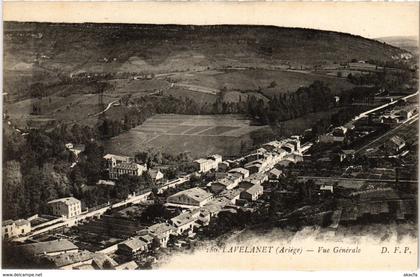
(198, 134)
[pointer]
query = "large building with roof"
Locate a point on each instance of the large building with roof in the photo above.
(112, 160)
(193, 197)
(49, 248)
(67, 207)
(124, 168)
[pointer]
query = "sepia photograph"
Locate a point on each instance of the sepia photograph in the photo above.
(216, 136)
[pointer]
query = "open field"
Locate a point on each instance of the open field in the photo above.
(198, 134)
(254, 79)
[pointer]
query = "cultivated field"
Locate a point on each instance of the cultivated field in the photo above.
(198, 134)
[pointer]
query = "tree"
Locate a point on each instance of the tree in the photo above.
(273, 84)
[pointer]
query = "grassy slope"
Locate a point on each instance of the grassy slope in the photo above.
(44, 53)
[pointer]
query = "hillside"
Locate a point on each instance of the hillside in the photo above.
(54, 71)
(409, 43)
(110, 47)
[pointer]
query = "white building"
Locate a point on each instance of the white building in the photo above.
(11, 229)
(68, 207)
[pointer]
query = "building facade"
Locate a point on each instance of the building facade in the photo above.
(67, 207)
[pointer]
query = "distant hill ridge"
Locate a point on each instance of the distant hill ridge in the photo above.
(85, 46)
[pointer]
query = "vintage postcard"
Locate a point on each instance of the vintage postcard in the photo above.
(216, 135)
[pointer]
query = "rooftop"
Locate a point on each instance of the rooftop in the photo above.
(116, 157)
(276, 171)
(239, 170)
(7, 222)
(183, 219)
(49, 247)
(153, 173)
(254, 189)
(201, 161)
(128, 166)
(134, 243)
(160, 228)
(21, 222)
(194, 193)
(397, 140)
(70, 258)
(66, 200)
(127, 265)
(230, 194)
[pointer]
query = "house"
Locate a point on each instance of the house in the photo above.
(76, 149)
(346, 154)
(407, 112)
(229, 182)
(67, 207)
(131, 246)
(390, 119)
(253, 157)
(147, 239)
(124, 168)
(112, 160)
(195, 197)
(131, 265)
(326, 138)
(274, 173)
(272, 145)
(49, 248)
(261, 151)
(103, 261)
(155, 174)
(326, 188)
(216, 158)
(204, 217)
(255, 166)
(253, 179)
(105, 183)
(394, 144)
(252, 193)
(223, 166)
(231, 195)
(339, 133)
(244, 172)
(161, 232)
(205, 165)
(69, 260)
(185, 221)
(15, 228)
(289, 147)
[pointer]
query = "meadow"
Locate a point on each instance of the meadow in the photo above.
(200, 135)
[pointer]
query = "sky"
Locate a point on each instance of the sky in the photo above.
(368, 19)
